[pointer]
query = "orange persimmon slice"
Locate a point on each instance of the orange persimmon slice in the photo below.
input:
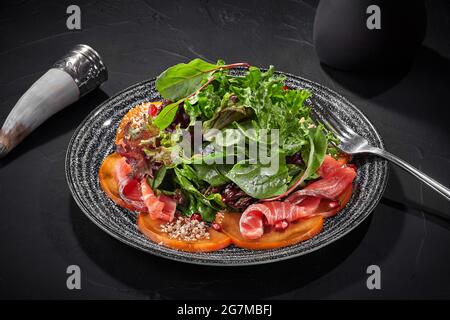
(298, 231)
(134, 114)
(344, 158)
(108, 181)
(152, 229)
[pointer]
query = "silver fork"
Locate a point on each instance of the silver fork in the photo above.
(353, 143)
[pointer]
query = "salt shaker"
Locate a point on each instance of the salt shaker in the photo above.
(74, 75)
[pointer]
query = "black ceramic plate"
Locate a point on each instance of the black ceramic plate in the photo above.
(94, 140)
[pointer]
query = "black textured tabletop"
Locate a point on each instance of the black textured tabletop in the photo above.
(42, 231)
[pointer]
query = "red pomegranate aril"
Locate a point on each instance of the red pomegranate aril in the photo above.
(333, 204)
(216, 226)
(281, 225)
(286, 88)
(196, 216)
(153, 110)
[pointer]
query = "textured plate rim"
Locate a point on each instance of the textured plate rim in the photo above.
(125, 240)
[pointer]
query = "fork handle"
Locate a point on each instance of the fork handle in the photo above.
(443, 190)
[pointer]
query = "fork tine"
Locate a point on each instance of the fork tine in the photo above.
(320, 118)
(334, 122)
(332, 117)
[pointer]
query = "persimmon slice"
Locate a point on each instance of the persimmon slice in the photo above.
(298, 231)
(108, 181)
(135, 114)
(152, 229)
(344, 158)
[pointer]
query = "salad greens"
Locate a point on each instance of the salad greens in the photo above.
(198, 202)
(182, 81)
(255, 100)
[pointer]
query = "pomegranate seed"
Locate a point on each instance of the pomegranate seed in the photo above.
(153, 110)
(286, 88)
(196, 216)
(351, 165)
(333, 204)
(216, 226)
(281, 225)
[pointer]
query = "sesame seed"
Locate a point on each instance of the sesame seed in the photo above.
(185, 229)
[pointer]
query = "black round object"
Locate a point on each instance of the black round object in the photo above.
(344, 41)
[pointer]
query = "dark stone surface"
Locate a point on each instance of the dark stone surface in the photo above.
(43, 231)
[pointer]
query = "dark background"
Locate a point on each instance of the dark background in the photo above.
(42, 231)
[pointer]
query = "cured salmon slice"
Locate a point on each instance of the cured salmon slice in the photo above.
(108, 180)
(161, 207)
(170, 207)
(253, 219)
(330, 164)
(326, 211)
(336, 178)
(129, 189)
(115, 179)
(298, 231)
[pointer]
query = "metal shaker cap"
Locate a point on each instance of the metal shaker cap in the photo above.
(85, 66)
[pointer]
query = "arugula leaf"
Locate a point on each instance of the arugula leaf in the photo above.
(275, 107)
(226, 116)
(159, 177)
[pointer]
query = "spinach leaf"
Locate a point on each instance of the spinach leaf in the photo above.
(183, 79)
(211, 174)
(166, 116)
(257, 181)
